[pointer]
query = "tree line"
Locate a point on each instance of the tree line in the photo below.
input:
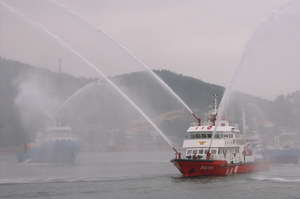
(29, 96)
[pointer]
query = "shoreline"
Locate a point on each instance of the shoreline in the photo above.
(90, 149)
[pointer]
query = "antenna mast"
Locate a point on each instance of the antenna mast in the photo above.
(59, 65)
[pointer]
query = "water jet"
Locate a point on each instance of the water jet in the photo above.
(56, 39)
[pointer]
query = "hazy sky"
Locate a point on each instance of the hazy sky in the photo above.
(202, 39)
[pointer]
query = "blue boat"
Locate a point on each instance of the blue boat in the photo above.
(282, 156)
(55, 144)
(283, 152)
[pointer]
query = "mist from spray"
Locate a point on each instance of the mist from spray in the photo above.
(31, 100)
(269, 66)
(258, 110)
(55, 38)
(78, 92)
(240, 78)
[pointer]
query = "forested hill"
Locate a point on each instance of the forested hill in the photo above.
(27, 92)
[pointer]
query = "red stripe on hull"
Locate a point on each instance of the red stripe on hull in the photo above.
(217, 167)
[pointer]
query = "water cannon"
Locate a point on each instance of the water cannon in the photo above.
(198, 119)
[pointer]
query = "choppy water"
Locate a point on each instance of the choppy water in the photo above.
(137, 175)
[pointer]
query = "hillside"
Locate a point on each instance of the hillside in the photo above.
(30, 96)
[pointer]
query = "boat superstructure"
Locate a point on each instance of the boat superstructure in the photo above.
(55, 144)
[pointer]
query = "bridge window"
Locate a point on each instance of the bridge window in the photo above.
(204, 136)
(189, 152)
(209, 135)
(217, 135)
(198, 135)
(195, 151)
(192, 136)
(214, 151)
(200, 151)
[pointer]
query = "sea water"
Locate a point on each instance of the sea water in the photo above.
(144, 174)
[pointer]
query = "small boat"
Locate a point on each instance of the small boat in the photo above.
(56, 144)
(214, 149)
(111, 145)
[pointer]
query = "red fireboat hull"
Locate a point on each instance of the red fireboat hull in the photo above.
(190, 167)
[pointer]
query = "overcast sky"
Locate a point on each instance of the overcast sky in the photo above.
(202, 39)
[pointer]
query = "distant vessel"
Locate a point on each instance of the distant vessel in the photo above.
(222, 154)
(283, 149)
(111, 145)
(56, 144)
(281, 153)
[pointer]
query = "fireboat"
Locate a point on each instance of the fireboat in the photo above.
(214, 148)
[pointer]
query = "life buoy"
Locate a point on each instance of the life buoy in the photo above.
(247, 152)
(209, 127)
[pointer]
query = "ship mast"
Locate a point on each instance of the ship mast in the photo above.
(215, 96)
(215, 113)
(215, 102)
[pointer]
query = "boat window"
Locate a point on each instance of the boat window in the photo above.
(209, 135)
(224, 150)
(205, 151)
(192, 136)
(198, 136)
(226, 136)
(214, 151)
(195, 151)
(189, 152)
(222, 124)
(236, 150)
(200, 151)
(203, 135)
(222, 135)
(217, 136)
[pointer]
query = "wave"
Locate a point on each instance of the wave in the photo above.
(275, 179)
(75, 180)
(36, 181)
